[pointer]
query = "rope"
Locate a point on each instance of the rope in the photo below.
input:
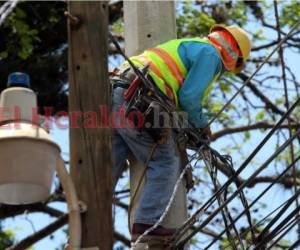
(6, 9)
(211, 157)
(226, 159)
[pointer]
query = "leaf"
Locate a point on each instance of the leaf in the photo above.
(247, 135)
(260, 115)
(3, 55)
(224, 86)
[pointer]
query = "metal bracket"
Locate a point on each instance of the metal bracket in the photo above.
(82, 206)
(75, 21)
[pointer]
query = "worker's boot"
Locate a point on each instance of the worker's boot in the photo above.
(158, 239)
(152, 243)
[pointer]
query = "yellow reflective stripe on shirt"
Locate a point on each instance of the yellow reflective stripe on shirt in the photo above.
(172, 65)
(156, 71)
(152, 67)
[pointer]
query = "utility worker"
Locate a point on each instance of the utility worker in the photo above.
(183, 70)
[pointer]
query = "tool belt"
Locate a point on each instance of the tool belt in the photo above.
(142, 103)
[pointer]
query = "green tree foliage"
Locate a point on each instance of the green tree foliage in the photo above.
(6, 238)
(33, 40)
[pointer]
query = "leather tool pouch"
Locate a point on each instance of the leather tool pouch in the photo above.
(142, 101)
(154, 118)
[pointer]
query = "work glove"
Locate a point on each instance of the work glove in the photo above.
(198, 136)
(206, 133)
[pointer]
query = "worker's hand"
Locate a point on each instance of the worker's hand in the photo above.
(206, 132)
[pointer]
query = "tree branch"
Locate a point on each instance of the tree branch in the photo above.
(46, 231)
(259, 125)
(287, 181)
(264, 46)
(281, 32)
(120, 204)
(29, 241)
(122, 238)
(269, 105)
(11, 211)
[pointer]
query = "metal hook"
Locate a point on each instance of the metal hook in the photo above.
(75, 21)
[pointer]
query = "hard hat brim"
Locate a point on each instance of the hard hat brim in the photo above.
(218, 27)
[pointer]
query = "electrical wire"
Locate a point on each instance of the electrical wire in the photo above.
(187, 224)
(213, 214)
(287, 229)
(212, 170)
(255, 201)
(273, 233)
(282, 61)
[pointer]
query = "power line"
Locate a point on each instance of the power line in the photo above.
(281, 56)
(254, 202)
(213, 214)
(210, 201)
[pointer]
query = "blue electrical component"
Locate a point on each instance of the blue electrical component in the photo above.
(18, 79)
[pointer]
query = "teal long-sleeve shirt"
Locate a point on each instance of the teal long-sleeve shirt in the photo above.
(203, 63)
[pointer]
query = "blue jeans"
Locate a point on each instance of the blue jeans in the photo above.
(162, 171)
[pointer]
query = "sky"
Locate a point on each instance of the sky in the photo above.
(27, 224)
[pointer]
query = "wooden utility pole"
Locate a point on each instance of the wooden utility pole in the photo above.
(147, 24)
(90, 149)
